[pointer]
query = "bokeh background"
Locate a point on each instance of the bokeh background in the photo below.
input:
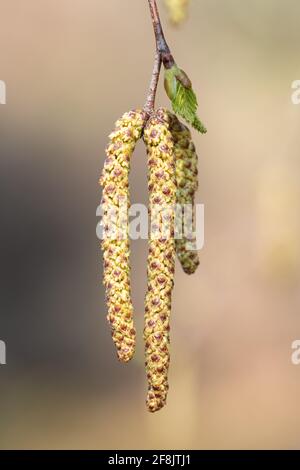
(72, 67)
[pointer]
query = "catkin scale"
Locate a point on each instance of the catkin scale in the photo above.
(161, 258)
(187, 184)
(116, 249)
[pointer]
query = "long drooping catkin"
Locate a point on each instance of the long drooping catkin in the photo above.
(161, 258)
(177, 10)
(115, 244)
(187, 185)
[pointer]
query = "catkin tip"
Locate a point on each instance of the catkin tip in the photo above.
(154, 405)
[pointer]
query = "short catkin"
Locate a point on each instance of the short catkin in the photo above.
(177, 10)
(161, 257)
(187, 185)
(115, 243)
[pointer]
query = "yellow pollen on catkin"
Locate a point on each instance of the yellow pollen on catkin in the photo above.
(161, 258)
(115, 245)
(187, 185)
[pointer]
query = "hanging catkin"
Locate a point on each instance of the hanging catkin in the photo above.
(177, 10)
(161, 257)
(187, 185)
(116, 250)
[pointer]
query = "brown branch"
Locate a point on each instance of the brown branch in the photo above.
(163, 55)
(161, 43)
(149, 106)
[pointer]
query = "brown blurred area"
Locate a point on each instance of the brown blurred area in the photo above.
(72, 67)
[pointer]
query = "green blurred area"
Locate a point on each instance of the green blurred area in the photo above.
(71, 69)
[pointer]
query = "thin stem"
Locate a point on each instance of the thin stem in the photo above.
(163, 55)
(161, 43)
(149, 106)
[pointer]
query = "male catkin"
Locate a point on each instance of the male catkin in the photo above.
(161, 257)
(115, 244)
(177, 10)
(187, 185)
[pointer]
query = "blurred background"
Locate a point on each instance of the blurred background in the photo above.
(72, 67)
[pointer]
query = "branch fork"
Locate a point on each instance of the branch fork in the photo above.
(162, 56)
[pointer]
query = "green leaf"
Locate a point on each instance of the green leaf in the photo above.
(184, 100)
(185, 104)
